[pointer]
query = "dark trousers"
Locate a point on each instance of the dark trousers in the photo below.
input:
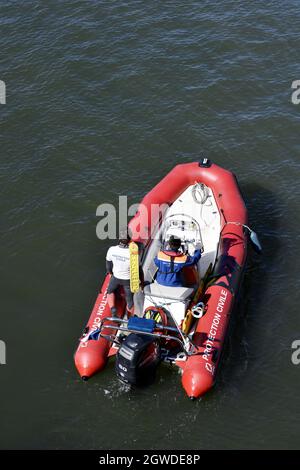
(113, 285)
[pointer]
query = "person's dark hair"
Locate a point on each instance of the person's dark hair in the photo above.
(174, 243)
(124, 236)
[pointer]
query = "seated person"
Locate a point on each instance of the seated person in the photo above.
(170, 264)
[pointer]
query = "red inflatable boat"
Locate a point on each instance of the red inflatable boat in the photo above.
(201, 204)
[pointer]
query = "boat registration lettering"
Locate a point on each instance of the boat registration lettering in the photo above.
(97, 319)
(214, 329)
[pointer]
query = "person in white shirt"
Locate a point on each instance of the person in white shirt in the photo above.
(118, 265)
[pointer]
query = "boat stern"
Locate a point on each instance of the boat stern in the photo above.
(196, 380)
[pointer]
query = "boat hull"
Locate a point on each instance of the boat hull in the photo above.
(198, 371)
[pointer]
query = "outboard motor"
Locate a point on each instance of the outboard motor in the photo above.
(137, 359)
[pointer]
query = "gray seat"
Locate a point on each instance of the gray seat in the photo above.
(174, 293)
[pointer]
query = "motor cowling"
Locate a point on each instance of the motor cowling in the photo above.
(137, 359)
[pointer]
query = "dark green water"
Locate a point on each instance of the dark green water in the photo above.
(103, 99)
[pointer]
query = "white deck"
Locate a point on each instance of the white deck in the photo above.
(208, 217)
(195, 224)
